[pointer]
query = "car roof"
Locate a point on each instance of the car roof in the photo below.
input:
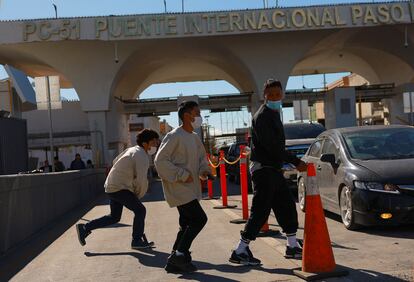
(364, 128)
(302, 125)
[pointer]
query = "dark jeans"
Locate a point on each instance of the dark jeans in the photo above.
(270, 193)
(192, 220)
(117, 201)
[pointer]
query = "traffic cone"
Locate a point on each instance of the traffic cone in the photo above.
(265, 231)
(318, 261)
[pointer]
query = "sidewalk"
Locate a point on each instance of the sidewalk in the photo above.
(107, 255)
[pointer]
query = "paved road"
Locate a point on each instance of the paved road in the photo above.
(370, 255)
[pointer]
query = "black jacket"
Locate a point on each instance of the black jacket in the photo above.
(268, 139)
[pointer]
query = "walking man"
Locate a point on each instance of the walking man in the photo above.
(270, 189)
(181, 162)
(125, 185)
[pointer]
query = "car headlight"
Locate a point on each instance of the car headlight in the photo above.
(377, 187)
(288, 167)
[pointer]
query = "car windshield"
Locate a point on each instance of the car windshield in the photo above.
(302, 131)
(381, 144)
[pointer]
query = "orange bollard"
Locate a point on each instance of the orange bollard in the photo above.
(210, 188)
(209, 184)
(318, 261)
(223, 183)
(244, 187)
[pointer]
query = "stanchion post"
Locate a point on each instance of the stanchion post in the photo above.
(223, 179)
(210, 195)
(243, 182)
(243, 187)
(223, 183)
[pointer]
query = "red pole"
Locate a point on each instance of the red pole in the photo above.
(209, 181)
(223, 180)
(210, 188)
(243, 182)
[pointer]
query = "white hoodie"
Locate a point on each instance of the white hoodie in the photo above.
(129, 172)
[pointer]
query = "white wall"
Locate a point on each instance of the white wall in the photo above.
(69, 118)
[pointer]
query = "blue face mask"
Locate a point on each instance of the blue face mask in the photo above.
(274, 105)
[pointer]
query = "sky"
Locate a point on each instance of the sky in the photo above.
(34, 9)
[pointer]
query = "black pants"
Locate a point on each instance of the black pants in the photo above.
(270, 193)
(117, 201)
(192, 220)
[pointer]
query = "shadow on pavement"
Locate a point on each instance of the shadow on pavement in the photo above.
(17, 258)
(369, 275)
(153, 258)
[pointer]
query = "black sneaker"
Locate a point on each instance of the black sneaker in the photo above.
(293, 253)
(246, 258)
(139, 244)
(179, 264)
(82, 233)
(186, 254)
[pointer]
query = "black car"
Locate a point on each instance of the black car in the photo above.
(299, 136)
(364, 174)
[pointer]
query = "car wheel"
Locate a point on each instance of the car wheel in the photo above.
(346, 208)
(301, 194)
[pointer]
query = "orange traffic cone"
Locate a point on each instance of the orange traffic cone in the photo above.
(318, 261)
(265, 227)
(265, 231)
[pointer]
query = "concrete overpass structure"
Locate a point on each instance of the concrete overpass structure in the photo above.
(120, 56)
(231, 102)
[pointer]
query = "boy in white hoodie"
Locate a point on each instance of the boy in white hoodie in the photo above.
(127, 183)
(181, 162)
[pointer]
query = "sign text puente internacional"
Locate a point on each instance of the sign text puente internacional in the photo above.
(214, 23)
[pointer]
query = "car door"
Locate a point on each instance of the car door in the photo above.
(328, 172)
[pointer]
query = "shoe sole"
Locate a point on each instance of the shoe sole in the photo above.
(293, 257)
(170, 268)
(79, 236)
(143, 248)
(244, 263)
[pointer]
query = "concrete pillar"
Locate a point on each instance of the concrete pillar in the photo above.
(340, 110)
(118, 128)
(99, 141)
(395, 105)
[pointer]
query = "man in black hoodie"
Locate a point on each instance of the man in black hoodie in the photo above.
(270, 189)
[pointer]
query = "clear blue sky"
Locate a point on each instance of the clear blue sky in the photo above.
(32, 9)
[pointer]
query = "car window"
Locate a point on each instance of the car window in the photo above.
(315, 149)
(329, 147)
(302, 131)
(381, 144)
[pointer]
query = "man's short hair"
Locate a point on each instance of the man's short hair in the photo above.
(77, 155)
(146, 135)
(186, 107)
(272, 83)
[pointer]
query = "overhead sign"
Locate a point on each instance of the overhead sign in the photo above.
(23, 87)
(213, 23)
(301, 109)
(41, 92)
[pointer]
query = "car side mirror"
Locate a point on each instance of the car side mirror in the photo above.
(329, 158)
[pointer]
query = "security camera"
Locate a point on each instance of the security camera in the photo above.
(116, 60)
(406, 45)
